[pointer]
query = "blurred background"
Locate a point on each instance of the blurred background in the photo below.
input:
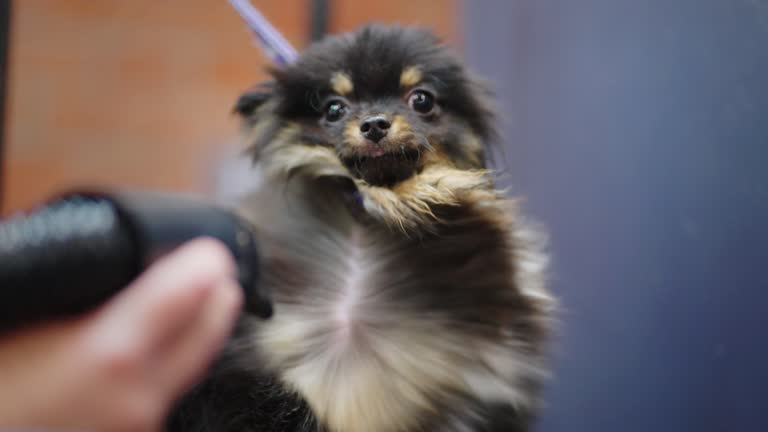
(637, 131)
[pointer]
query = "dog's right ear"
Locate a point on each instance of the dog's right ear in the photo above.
(254, 98)
(257, 107)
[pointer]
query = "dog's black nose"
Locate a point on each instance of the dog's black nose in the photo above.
(375, 128)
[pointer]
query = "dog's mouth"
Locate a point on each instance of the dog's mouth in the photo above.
(381, 166)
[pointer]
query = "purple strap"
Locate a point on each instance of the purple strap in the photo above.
(275, 46)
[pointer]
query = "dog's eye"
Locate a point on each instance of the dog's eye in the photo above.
(421, 101)
(335, 110)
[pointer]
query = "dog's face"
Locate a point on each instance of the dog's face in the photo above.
(388, 100)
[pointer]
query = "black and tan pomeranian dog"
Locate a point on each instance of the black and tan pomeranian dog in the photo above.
(409, 293)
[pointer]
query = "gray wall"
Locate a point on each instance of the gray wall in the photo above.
(638, 131)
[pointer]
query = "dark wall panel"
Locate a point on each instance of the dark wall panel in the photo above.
(638, 131)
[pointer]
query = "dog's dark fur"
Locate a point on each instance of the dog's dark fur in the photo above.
(408, 291)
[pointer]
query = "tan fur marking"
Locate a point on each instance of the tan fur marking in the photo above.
(352, 134)
(409, 204)
(341, 83)
(474, 149)
(399, 126)
(411, 76)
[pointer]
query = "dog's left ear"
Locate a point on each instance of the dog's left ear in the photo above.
(254, 98)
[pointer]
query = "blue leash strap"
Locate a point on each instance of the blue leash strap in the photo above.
(275, 46)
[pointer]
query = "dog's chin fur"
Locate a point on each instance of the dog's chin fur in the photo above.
(409, 293)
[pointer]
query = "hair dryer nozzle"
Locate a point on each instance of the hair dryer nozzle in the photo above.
(74, 253)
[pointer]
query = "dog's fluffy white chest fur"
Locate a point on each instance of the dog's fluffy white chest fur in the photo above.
(364, 361)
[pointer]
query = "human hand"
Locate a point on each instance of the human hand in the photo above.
(121, 367)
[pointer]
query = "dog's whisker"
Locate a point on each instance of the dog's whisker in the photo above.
(424, 142)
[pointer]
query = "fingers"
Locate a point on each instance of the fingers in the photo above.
(193, 350)
(121, 367)
(153, 340)
(170, 296)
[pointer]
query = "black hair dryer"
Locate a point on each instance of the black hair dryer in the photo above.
(75, 252)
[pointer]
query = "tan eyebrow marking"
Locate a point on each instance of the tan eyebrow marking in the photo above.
(411, 76)
(341, 83)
